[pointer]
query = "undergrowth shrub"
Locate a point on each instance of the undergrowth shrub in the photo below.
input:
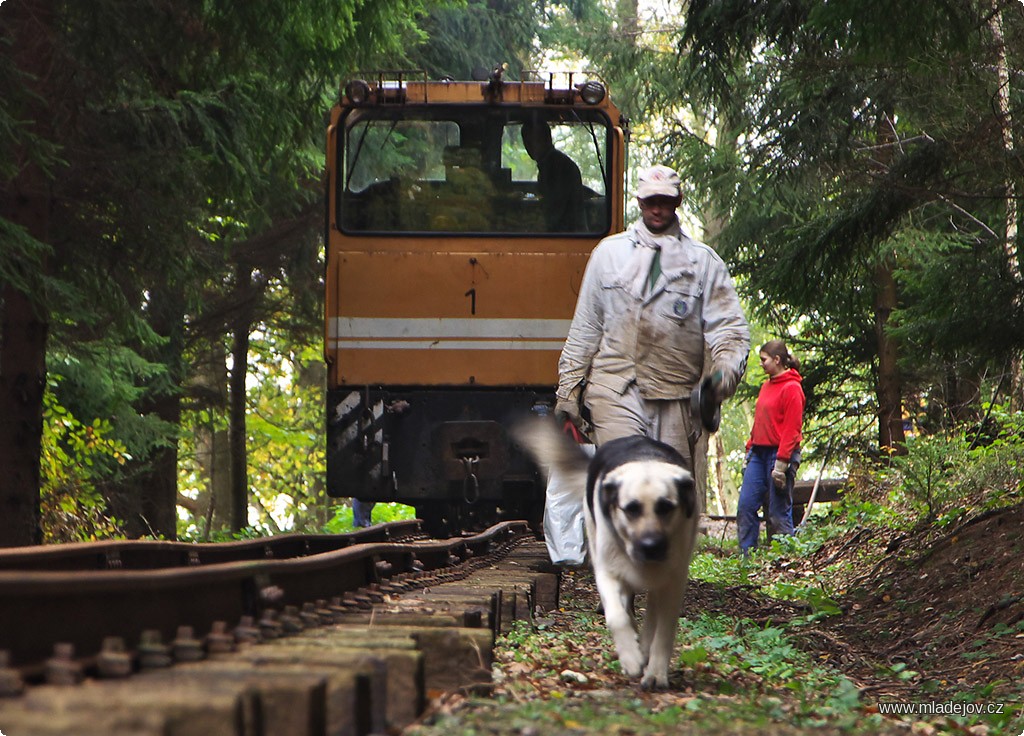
(382, 513)
(945, 476)
(75, 459)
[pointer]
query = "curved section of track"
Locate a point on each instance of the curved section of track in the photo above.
(362, 634)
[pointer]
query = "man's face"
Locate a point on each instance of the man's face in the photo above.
(658, 213)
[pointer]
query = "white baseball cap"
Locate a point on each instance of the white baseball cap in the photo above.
(658, 181)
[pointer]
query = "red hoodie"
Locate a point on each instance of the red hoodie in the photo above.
(779, 414)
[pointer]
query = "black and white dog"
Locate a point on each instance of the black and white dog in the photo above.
(641, 520)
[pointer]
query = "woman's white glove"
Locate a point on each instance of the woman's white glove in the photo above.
(779, 474)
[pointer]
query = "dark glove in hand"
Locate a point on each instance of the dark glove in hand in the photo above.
(724, 384)
(568, 410)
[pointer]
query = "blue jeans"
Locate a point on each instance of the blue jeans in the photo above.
(757, 490)
(361, 511)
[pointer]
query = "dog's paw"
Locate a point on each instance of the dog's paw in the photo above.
(631, 661)
(654, 680)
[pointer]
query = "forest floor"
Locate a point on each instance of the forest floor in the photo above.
(821, 633)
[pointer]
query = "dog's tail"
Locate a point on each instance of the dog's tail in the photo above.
(552, 449)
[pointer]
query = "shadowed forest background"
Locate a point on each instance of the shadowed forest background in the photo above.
(857, 164)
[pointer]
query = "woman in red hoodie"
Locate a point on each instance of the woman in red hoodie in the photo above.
(773, 450)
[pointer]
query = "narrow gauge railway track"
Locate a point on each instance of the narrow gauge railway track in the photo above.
(353, 639)
(146, 555)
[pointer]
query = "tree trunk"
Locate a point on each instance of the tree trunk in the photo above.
(889, 387)
(148, 506)
(1010, 231)
(241, 327)
(1003, 106)
(718, 457)
(963, 396)
(147, 503)
(209, 388)
(24, 321)
(22, 382)
(237, 431)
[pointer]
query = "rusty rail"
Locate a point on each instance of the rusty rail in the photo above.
(151, 555)
(365, 660)
(82, 608)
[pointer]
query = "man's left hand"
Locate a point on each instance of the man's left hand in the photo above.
(724, 384)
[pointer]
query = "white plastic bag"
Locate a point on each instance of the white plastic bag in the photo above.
(563, 520)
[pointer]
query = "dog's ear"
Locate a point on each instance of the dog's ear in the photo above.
(687, 491)
(609, 496)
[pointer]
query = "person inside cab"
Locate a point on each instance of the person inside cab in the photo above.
(559, 182)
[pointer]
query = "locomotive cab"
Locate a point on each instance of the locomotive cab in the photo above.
(456, 245)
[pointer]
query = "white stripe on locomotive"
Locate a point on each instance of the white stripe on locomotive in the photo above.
(356, 333)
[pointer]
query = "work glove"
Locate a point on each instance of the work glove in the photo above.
(779, 474)
(568, 409)
(724, 383)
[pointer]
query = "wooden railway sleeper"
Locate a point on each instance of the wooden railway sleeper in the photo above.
(288, 678)
(186, 647)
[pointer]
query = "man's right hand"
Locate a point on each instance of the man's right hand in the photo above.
(568, 409)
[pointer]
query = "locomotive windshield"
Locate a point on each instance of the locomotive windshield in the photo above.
(464, 170)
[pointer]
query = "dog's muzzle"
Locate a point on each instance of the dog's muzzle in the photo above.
(653, 548)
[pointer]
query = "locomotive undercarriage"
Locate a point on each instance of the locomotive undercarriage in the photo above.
(445, 451)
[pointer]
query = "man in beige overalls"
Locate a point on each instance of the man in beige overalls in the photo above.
(652, 302)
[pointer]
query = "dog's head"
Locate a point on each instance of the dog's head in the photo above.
(646, 502)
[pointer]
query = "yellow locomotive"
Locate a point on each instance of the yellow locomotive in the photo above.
(460, 216)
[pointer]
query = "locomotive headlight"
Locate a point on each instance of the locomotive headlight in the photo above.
(357, 91)
(591, 92)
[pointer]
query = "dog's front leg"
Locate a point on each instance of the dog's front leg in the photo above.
(620, 622)
(659, 634)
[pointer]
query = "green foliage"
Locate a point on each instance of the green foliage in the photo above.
(285, 444)
(852, 513)
(926, 471)
(721, 569)
(106, 378)
(76, 459)
(943, 276)
(383, 513)
(732, 648)
(189, 534)
(723, 566)
(21, 259)
(477, 34)
(189, 166)
(285, 448)
(840, 133)
(821, 603)
(944, 477)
